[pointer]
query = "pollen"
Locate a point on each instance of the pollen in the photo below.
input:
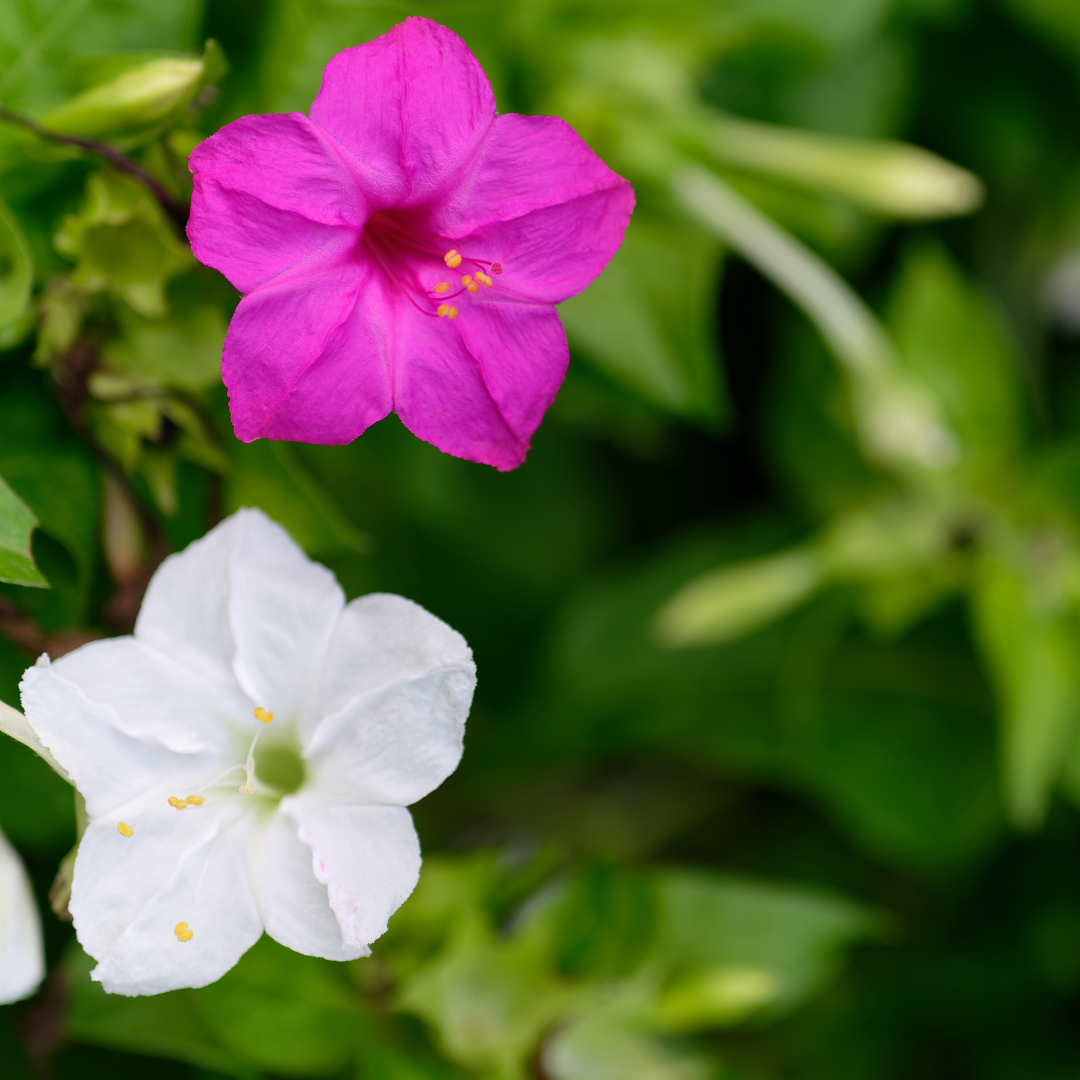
(183, 932)
(452, 313)
(469, 284)
(194, 800)
(442, 287)
(466, 279)
(124, 829)
(442, 310)
(180, 804)
(483, 278)
(246, 788)
(452, 258)
(264, 716)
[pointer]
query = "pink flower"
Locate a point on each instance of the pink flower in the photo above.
(403, 248)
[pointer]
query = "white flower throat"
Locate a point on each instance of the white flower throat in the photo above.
(282, 770)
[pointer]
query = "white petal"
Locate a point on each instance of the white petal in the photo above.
(367, 856)
(207, 886)
(109, 767)
(22, 954)
(244, 603)
(395, 744)
(294, 905)
(382, 639)
(154, 698)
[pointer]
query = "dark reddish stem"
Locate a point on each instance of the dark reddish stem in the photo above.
(117, 158)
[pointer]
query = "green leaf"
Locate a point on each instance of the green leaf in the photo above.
(733, 947)
(1029, 631)
(268, 475)
(17, 522)
(16, 268)
(167, 1025)
(648, 321)
(284, 1013)
(123, 244)
(950, 334)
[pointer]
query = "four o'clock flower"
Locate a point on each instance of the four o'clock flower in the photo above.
(246, 759)
(22, 952)
(402, 248)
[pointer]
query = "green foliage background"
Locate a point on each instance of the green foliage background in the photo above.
(773, 769)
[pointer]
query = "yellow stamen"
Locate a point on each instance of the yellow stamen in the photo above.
(180, 804)
(183, 932)
(452, 313)
(485, 279)
(442, 309)
(442, 287)
(466, 279)
(473, 287)
(247, 788)
(452, 258)
(124, 829)
(264, 716)
(194, 800)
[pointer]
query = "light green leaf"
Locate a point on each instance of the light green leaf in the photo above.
(734, 946)
(648, 321)
(17, 522)
(1030, 636)
(123, 244)
(16, 268)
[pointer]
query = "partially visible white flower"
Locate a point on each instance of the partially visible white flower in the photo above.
(246, 759)
(22, 954)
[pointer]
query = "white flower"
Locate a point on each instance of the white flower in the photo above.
(246, 759)
(22, 954)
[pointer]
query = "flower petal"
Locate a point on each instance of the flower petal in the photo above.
(541, 204)
(22, 952)
(367, 856)
(111, 769)
(269, 191)
(395, 744)
(154, 699)
(294, 905)
(305, 357)
(208, 887)
(247, 605)
(382, 639)
(412, 105)
(477, 387)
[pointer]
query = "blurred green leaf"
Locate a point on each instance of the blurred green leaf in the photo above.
(734, 947)
(123, 244)
(16, 268)
(648, 321)
(1029, 630)
(17, 522)
(269, 475)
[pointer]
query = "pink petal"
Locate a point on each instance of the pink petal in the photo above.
(269, 191)
(305, 356)
(477, 386)
(412, 105)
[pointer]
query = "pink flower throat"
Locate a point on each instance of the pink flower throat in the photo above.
(413, 259)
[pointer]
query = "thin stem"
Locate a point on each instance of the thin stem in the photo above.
(116, 158)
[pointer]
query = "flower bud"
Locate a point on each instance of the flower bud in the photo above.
(133, 101)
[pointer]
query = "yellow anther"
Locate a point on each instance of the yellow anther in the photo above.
(442, 309)
(124, 829)
(183, 932)
(452, 258)
(466, 279)
(442, 287)
(247, 788)
(194, 800)
(473, 287)
(452, 313)
(264, 716)
(180, 804)
(483, 279)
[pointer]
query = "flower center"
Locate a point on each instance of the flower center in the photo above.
(413, 259)
(280, 768)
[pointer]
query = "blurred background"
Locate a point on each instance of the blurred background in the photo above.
(773, 767)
